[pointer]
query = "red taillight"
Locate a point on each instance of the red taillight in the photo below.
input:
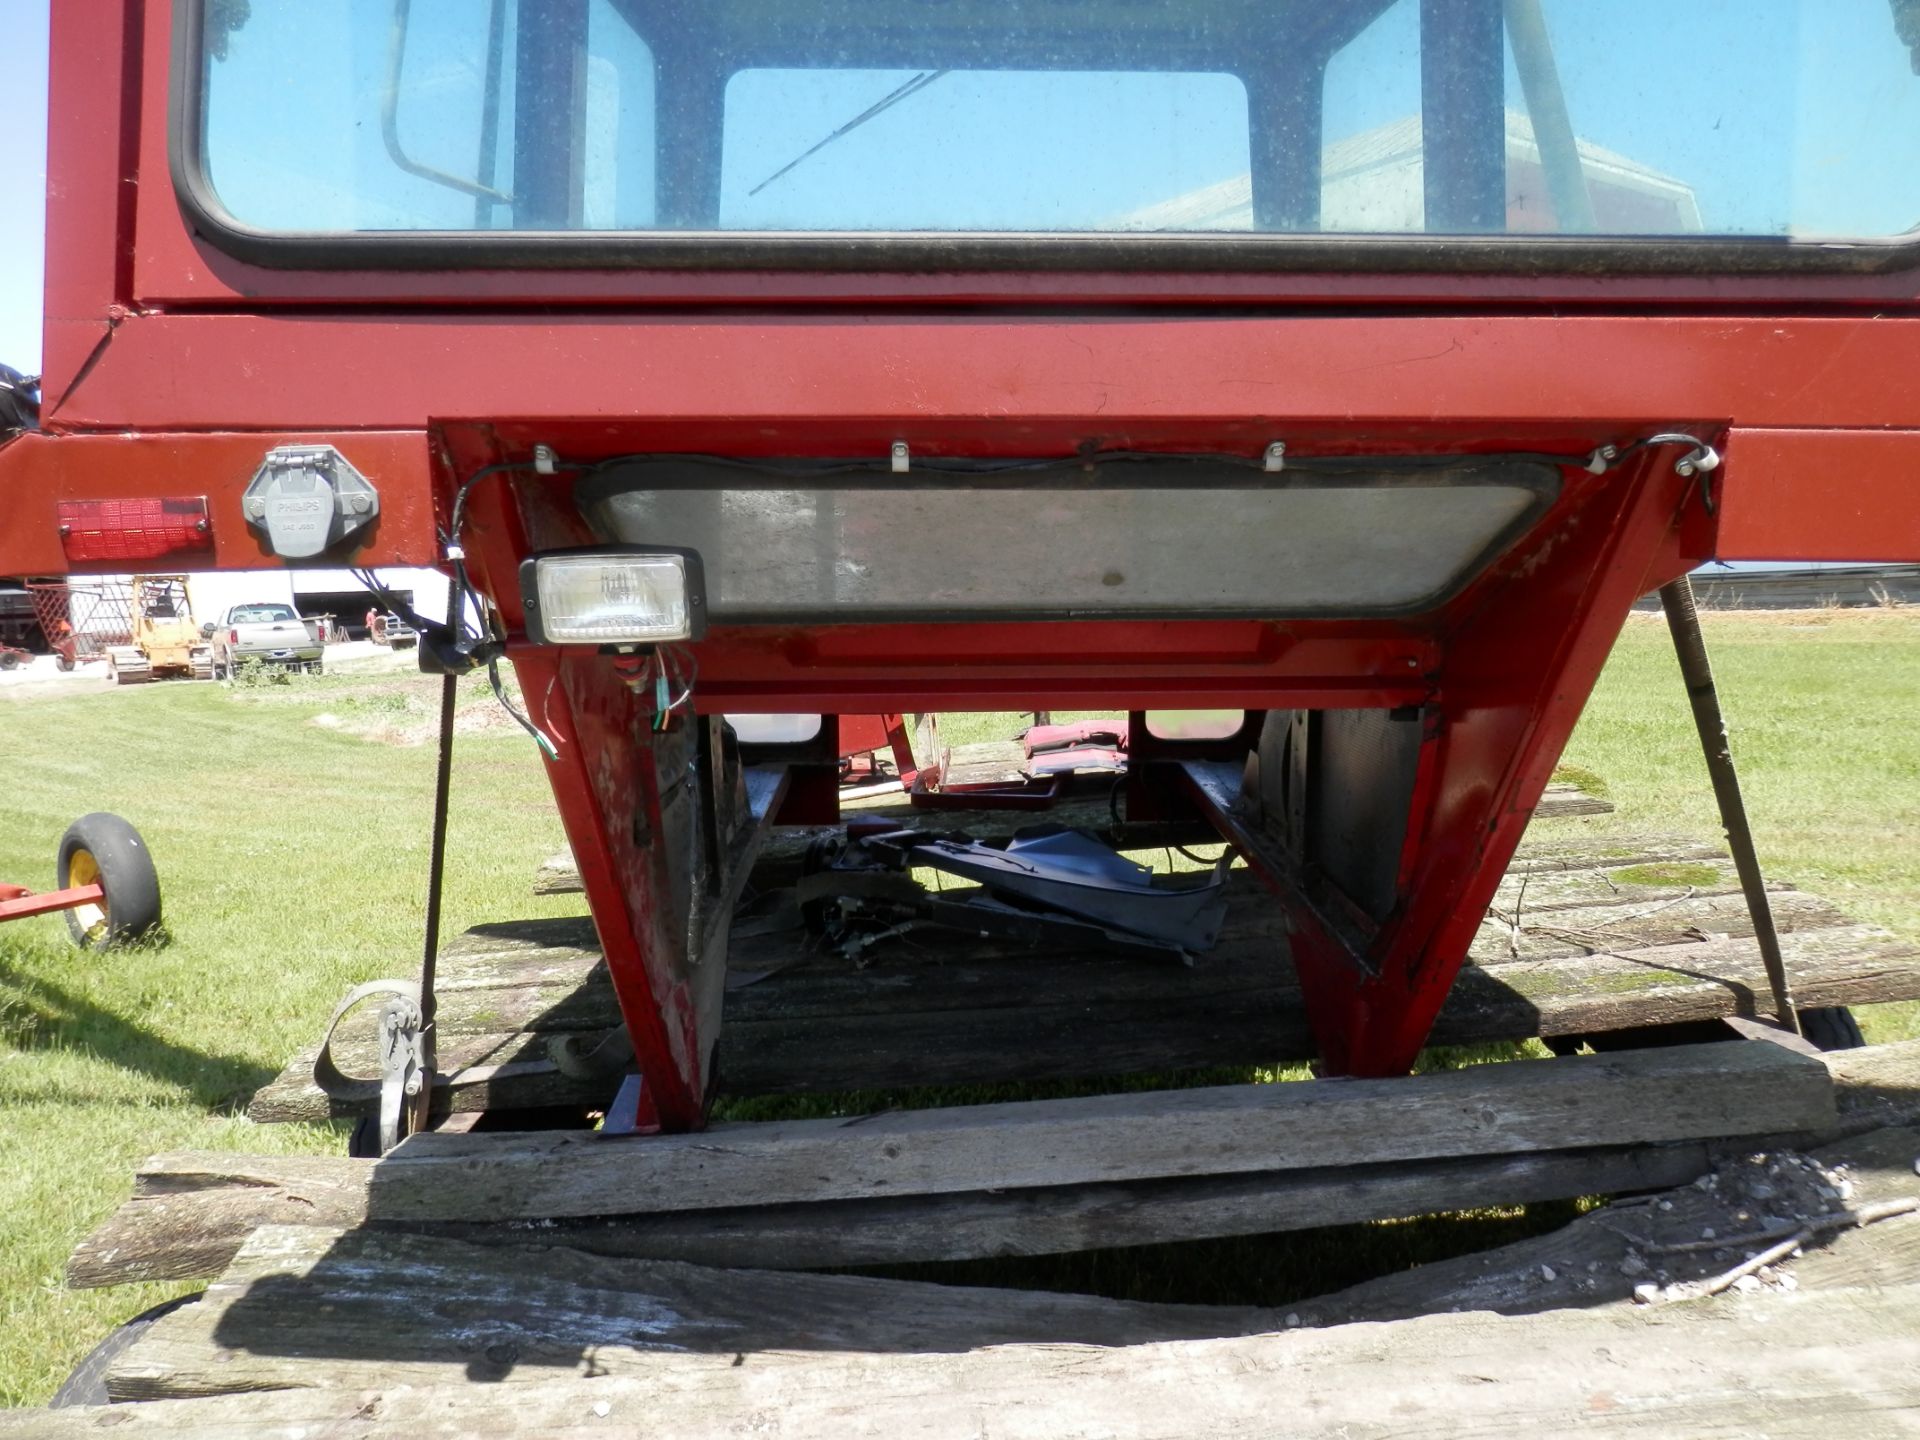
(154, 528)
(233, 637)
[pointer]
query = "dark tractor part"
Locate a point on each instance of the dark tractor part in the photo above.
(105, 850)
(1831, 1027)
(19, 402)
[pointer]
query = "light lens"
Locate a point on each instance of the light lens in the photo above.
(613, 599)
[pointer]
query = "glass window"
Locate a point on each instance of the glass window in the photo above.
(408, 115)
(789, 162)
(1612, 117)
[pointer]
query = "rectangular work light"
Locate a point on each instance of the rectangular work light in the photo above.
(611, 595)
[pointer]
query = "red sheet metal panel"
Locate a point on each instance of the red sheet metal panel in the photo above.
(40, 474)
(96, 96)
(1031, 386)
(1821, 495)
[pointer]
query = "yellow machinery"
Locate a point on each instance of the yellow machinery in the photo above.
(164, 643)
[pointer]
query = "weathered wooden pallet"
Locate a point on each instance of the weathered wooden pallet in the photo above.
(315, 1329)
(1033, 1177)
(1584, 937)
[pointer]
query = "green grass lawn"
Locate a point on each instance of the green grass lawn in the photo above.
(291, 836)
(1821, 709)
(292, 859)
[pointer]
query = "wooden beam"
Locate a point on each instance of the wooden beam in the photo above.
(1586, 1263)
(1812, 1364)
(1688, 1092)
(189, 1213)
(303, 1306)
(167, 1233)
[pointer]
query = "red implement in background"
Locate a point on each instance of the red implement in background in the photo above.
(83, 618)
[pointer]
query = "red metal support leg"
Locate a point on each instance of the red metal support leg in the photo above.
(626, 797)
(1515, 675)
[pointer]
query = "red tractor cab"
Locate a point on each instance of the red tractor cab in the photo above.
(1348, 366)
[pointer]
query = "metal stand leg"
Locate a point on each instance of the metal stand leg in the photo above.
(436, 873)
(1691, 646)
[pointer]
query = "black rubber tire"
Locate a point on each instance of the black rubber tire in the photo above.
(125, 868)
(87, 1385)
(1831, 1027)
(8, 659)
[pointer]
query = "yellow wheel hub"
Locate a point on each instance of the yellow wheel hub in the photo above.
(83, 869)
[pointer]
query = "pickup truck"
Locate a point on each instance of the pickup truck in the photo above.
(266, 631)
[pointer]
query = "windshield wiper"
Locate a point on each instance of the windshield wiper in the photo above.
(912, 87)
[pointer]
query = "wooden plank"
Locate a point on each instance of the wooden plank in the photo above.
(945, 1013)
(1639, 924)
(1587, 1262)
(467, 1082)
(1812, 1364)
(1062, 1037)
(1562, 800)
(1553, 850)
(1676, 1094)
(984, 762)
(1546, 875)
(305, 1306)
(165, 1234)
(571, 992)
(1878, 1085)
(189, 1213)
(1672, 984)
(1535, 894)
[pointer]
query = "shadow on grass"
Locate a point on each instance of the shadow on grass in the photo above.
(38, 1014)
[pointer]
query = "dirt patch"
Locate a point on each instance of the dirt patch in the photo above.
(1828, 617)
(380, 726)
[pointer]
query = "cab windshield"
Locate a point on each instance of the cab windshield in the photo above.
(1778, 118)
